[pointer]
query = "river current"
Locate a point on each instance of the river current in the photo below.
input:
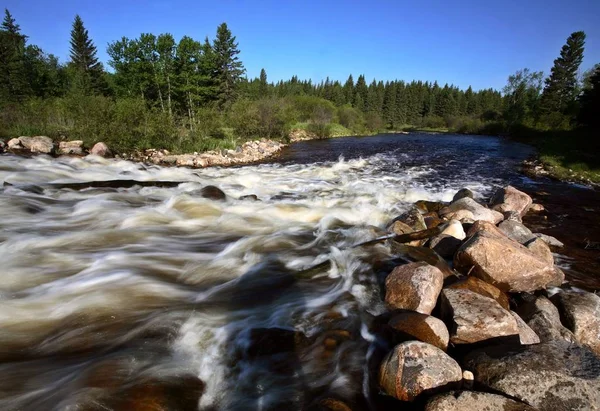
(136, 296)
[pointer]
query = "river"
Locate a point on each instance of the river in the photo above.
(147, 296)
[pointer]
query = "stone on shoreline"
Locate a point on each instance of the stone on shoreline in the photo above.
(467, 208)
(544, 319)
(462, 193)
(516, 231)
(482, 288)
(38, 144)
(414, 286)
(580, 313)
(100, 149)
(470, 400)
(422, 327)
(74, 147)
(14, 144)
(415, 367)
(511, 199)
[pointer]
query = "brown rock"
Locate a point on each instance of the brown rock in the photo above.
(213, 193)
(432, 220)
(414, 367)
(429, 206)
(511, 199)
(504, 263)
(422, 327)
(413, 286)
(398, 227)
(475, 209)
(485, 226)
(413, 218)
(580, 312)
(536, 208)
(472, 317)
(469, 400)
(482, 288)
(539, 247)
(100, 149)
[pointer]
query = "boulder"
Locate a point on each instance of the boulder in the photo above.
(580, 313)
(38, 144)
(213, 193)
(539, 247)
(455, 229)
(470, 400)
(185, 160)
(512, 216)
(398, 227)
(469, 208)
(462, 193)
(482, 288)
(414, 367)
(421, 327)
(551, 241)
(14, 144)
(70, 147)
(552, 376)
(484, 226)
(544, 319)
(472, 318)
(432, 220)
(100, 149)
(413, 218)
(526, 334)
(516, 231)
(504, 263)
(511, 199)
(415, 286)
(429, 206)
(536, 208)
(445, 245)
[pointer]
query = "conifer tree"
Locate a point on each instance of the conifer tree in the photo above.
(13, 81)
(262, 85)
(88, 73)
(228, 65)
(360, 92)
(589, 113)
(349, 90)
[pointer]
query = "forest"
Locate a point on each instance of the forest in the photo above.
(193, 95)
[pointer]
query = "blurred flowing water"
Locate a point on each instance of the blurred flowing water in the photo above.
(147, 296)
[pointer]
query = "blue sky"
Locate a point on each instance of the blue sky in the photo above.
(464, 42)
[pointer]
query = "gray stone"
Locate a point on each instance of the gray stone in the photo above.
(462, 193)
(14, 144)
(526, 334)
(516, 231)
(580, 312)
(474, 401)
(38, 144)
(551, 241)
(100, 149)
(471, 209)
(544, 319)
(70, 147)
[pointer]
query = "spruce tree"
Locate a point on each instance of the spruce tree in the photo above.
(349, 90)
(262, 85)
(589, 113)
(13, 79)
(228, 65)
(360, 91)
(87, 71)
(560, 91)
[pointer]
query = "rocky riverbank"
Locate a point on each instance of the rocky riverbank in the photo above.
(248, 153)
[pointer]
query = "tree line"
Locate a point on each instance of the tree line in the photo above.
(188, 94)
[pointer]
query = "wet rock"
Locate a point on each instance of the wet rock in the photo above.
(469, 208)
(526, 334)
(422, 327)
(251, 197)
(470, 400)
(70, 147)
(213, 193)
(481, 225)
(445, 245)
(413, 218)
(553, 376)
(472, 318)
(398, 227)
(455, 229)
(512, 216)
(100, 149)
(414, 368)
(271, 341)
(432, 220)
(539, 247)
(511, 199)
(429, 206)
(544, 319)
(482, 288)
(580, 313)
(330, 404)
(413, 286)
(551, 241)
(504, 263)
(516, 231)
(38, 144)
(462, 193)
(14, 144)
(536, 208)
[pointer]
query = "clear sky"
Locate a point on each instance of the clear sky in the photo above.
(464, 42)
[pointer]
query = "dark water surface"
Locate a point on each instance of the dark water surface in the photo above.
(149, 297)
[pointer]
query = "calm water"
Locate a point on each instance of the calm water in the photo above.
(151, 297)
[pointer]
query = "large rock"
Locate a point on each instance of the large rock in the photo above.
(548, 239)
(516, 231)
(511, 199)
(100, 149)
(414, 367)
(539, 247)
(213, 193)
(421, 327)
(455, 229)
(445, 245)
(544, 319)
(14, 144)
(504, 263)
(38, 144)
(462, 193)
(580, 312)
(415, 286)
(413, 218)
(554, 376)
(469, 208)
(481, 287)
(526, 334)
(472, 318)
(74, 147)
(470, 400)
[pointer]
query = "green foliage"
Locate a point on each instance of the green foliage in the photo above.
(589, 114)
(522, 96)
(229, 68)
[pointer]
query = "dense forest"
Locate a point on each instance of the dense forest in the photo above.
(191, 95)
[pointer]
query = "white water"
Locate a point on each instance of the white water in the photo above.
(90, 277)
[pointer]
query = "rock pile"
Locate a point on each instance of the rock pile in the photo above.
(522, 346)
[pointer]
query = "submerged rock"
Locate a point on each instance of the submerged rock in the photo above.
(471, 209)
(580, 313)
(38, 144)
(472, 318)
(470, 400)
(213, 193)
(511, 199)
(414, 368)
(462, 193)
(422, 327)
(414, 286)
(551, 376)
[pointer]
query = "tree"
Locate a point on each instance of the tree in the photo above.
(228, 65)
(13, 79)
(589, 113)
(561, 88)
(521, 96)
(360, 93)
(349, 90)
(262, 85)
(87, 71)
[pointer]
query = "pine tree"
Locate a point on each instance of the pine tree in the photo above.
(88, 73)
(13, 80)
(560, 91)
(263, 86)
(360, 91)
(589, 113)
(349, 90)
(229, 67)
